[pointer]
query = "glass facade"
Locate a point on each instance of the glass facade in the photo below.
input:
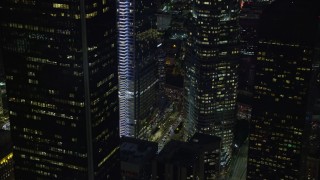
(283, 72)
(138, 79)
(211, 71)
(311, 156)
(282, 94)
(61, 73)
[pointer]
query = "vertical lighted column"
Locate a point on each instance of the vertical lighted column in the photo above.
(126, 66)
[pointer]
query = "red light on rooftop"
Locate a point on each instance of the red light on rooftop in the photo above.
(241, 4)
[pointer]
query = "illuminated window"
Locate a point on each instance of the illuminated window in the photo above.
(60, 6)
(91, 15)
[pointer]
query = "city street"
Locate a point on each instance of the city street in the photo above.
(239, 163)
(165, 133)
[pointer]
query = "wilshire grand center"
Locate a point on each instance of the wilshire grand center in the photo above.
(138, 81)
(60, 59)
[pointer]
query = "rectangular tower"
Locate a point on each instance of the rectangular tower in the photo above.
(287, 36)
(61, 73)
(211, 71)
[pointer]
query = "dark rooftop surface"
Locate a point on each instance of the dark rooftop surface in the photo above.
(178, 152)
(204, 139)
(137, 151)
(291, 21)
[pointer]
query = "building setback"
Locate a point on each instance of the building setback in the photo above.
(61, 72)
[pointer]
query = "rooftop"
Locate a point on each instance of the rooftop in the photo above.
(178, 152)
(137, 151)
(291, 21)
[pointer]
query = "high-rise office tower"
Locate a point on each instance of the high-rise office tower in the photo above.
(248, 20)
(311, 156)
(61, 71)
(287, 36)
(311, 148)
(138, 79)
(211, 71)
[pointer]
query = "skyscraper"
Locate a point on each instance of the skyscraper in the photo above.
(138, 81)
(287, 36)
(61, 71)
(311, 156)
(311, 147)
(248, 20)
(211, 71)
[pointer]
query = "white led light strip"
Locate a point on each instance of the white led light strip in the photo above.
(126, 66)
